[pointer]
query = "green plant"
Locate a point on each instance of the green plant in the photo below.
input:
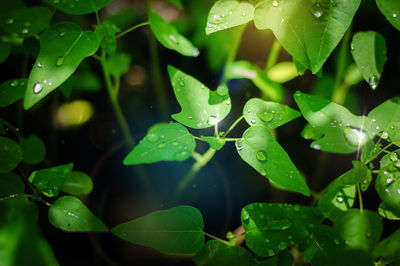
(328, 232)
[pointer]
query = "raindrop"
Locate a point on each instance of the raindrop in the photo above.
(377, 127)
(265, 116)
(39, 65)
(316, 147)
(261, 156)
(271, 253)
(337, 242)
(317, 10)
(373, 82)
(389, 181)
(196, 52)
(340, 199)
(239, 144)
(161, 145)
(394, 157)
(385, 135)
(253, 121)
(173, 38)
(152, 137)
(296, 208)
(14, 83)
(56, 1)
(60, 61)
(10, 21)
(228, 102)
(394, 15)
(213, 120)
(245, 215)
(216, 18)
(62, 34)
(275, 3)
(182, 155)
(190, 117)
(368, 234)
(267, 240)
(175, 143)
(243, 14)
(222, 90)
(27, 24)
(37, 88)
(25, 31)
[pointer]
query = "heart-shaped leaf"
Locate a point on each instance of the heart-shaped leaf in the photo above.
(225, 14)
(70, 215)
(259, 149)
(201, 108)
(106, 33)
(81, 7)
(369, 52)
(62, 48)
(176, 230)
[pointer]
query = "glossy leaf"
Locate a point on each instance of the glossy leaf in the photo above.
(176, 230)
(119, 64)
(246, 70)
(22, 243)
(77, 183)
(70, 215)
(200, 113)
(271, 228)
(343, 131)
(106, 34)
(386, 117)
(12, 91)
(340, 195)
(25, 22)
(164, 142)
(259, 149)
(168, 36)
(369, 52)
(359, 229)
(5, 49)
(62, 48)
(216, 253)
(50, 180)
(10, 154)
(387, 184)
(258, 112)
(388, 250)
(33, 149)
(214, 142)
(10, 184)
(391, 10)
(225, 14)
(387, 213)
(74, 7)
(283, 72)
(308, 30)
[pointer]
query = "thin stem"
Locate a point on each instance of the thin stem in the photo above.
(231, 139)
(273, 55)
(360, 198)
(132, 29)
(233, 126)
(233, 52)
(98, 18)
(115, 104)
(383, 150)
(217, 238)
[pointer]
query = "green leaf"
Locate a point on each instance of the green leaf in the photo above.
(10, 184)
(62, 48)
(6, 6)
(271, 228)
(283, 72)
(340, 195)
(106, 34)
(386, 118)
(343, 131)
(5, 49)
(369, 52)
(49, 181)
(2, 129)
(308, 30)
(388, 250)
(70, 215)
(74, 7)
(77, 183)
(10, 154)
(359, 229)
(177, 3)
(391, 10)
(119, 64)
(225, 14)
(22, 243)
(269, 114)
(387, 184)
(176, 230)
(259, 149)
(25, 22)
(168, 36)
(198, 113)
(164, 142)
(246, 70)
(387, 213)
(214, 142)
(216, 253)
(12, 91)
(33, 149)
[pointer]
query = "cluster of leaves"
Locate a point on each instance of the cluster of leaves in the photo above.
(271, 230)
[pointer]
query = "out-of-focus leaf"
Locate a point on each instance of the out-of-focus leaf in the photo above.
(12, 91)
(391, 10)
(119, 64)
(10, 184)
(5, 49)
(283, 72)
(10, 154)
(74, 7)
(106, 33)
(33, 149)
(77, 183)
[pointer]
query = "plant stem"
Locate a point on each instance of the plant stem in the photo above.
(384, 149)
(233, 126)
(112, 92)
(273, 55)
(360, 198)
(233, 52)
(132, 29)
(217, 238)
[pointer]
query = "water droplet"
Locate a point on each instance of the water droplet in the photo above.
(27, 24)
(389, 181)
(394, 15)
(316, 147)
(355, 136)
(173, 38)
(24, 31)
(62, 34)
(244, 14)
(216, 18)
(213, 120)
(265, 116)
(373, 82)
(394, 157)
(161, 145)
(339, 199)
(317, 10)
(239, 144)
(196, 52)
(377, 127)
(152, 137)
(385, 135)
(14, 83)
(175, 143)
(282, 245)
(228, 102)
(222, 90)
(253, 121)
(267, 240)
(245, 216)
(39, 65)
(60, 61)
(275, 3)
(337, 242)
(37, 88)
(271, 252)
(10, 21)
(261, 156)
(181, 155)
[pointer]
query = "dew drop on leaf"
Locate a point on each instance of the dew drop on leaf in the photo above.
(271, 252)
(373, 82)
(261, 156)
(161, 145)
(196, 52)
(24, 31)
(244, 14)
(37, 88)
(9, 21)
(265, 116)
(385, 135)
(152, 137)
(316, 147)
(394, 15)
(275, 3)
(14, 83)
(228, 102)
(317, 10)
(39, 65)
(222, 90)
(62, 34)
(173, 38)
(60, 61)
(239, 145)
